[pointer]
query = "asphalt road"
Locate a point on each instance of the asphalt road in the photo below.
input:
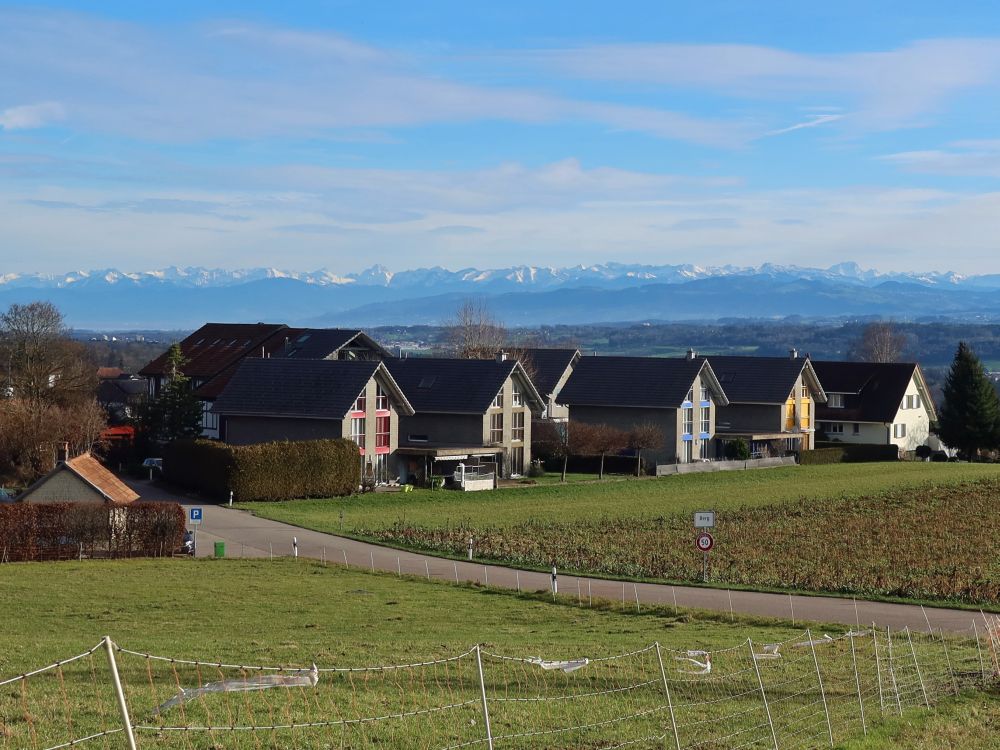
(248, 536)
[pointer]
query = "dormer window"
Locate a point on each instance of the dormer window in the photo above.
(835, 400)
(516, 397)
(360, 404)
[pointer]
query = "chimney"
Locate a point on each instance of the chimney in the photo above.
(793, 353)
(501, 356)
(692, 354)
(62, 453)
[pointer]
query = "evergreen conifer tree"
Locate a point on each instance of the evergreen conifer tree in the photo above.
(176, 412)
(970, 417)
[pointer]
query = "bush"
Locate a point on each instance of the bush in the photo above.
(54, 531)
(738, 450)
(827, 453)
(265, 471)
(536, 469)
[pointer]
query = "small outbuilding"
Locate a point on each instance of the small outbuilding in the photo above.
(79, 480)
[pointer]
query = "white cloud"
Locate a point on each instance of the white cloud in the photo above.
(812, 122)
(969, 158)
(29, 116)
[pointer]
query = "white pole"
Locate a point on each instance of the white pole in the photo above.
(763, 695)
(295, 547)
(857, 614)
(635, 590)
(926, 619)
(555, 582)
(372, 553)
(857, 682)
(270, 551)
(878, 670)
(427, 569)
(517, 577)
(119, 693)
(666, 689)
(486, 575)
(456, 572)
(579, 595)
(590, 595)
(673, 591)
(947, 658)
(345, 559)
(230, 498)
(979, 648)
(324, 557)
(791, 606)
(482, 692)
(623, 594)
(730, 604)
(819, 679)
(892, 672)
(399, 567)
(915, 664)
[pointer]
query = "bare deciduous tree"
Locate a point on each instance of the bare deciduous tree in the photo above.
(880, 342)
(598, 439)
(645, 436)
(474, 333)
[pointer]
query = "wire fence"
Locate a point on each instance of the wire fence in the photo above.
(811, 691)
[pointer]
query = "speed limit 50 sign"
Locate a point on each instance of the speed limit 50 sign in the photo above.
(704, 541)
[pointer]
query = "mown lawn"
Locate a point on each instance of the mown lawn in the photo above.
(296, 612)
(614, 498)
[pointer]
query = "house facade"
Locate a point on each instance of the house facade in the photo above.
(679, 396)
(772, 403)
(876, 402)
(466, 412)
(79, 480)
(215, 350)
(550, 370)
(267, 400)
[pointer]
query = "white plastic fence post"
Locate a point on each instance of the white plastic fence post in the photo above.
(878, 670)
(482, 693)
(819, 679)
(730, 604)
(791, 607)
(947, 658)
(979, 648)
(673, 592)
(635, 590)
(427, 569)
(372, 553)
(763, 695)
(917, 665)
(857, 682)
(517, 578)
(892, 672)
(670, 703)
(456, 572)
(345, 559)
(590, 595)
(119, 693)
(399, 567)
(486, 575)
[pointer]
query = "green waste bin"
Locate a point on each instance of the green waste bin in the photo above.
(220, 549)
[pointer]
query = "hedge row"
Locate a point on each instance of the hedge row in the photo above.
(265, 471)
(53, 531)
(837, 453)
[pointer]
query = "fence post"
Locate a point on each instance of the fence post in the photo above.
(915, 664)
(482, 693)
(947, 656)
(763, 695)
(670, 704)
(119, 693)
(979, 648)
(819, 679)
(878, 670)
(892, 672)
(857, 681)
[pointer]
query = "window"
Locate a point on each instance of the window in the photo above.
(899, 430)
(358, 431)
(496, 428)
(516, 458)
(688, 452)
(381, 432)
(857, 429)
(381, 468)
(704, 452)
(418, 438)
(835, 400)
(517, 426)
(804, 414)
(516, 398)
(360, 403)
(834, 428)
(805, 391)
(704, 394)
(381, 400)
(209, 420)
(690, 397)
(706, 419)
(911, 402)
(498, 400)
(688, 421)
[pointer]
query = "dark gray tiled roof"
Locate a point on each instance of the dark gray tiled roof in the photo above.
(319, 343)
(547, 366)
(649, 382)
(457, 386)
(317, 389)
(759, 380)
(874, 390)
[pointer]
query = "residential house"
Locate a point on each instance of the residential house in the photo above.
(79, 480)
(266, 400)
(466, 411)
(550, 370)
(772, 403)
(215, 350)
(679, 396)
(121, 397)
(876, 402)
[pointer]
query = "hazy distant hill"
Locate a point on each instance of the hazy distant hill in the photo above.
(524, 295)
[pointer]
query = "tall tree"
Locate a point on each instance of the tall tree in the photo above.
(880, 342)
(475, 333)
(44, 365)
(645, 436)
(552, 439)
(176, 413)
(598, 439)
(970, 416)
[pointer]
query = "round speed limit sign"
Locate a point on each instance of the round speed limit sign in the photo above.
(705, 542)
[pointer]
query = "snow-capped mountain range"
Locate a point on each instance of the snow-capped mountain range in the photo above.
(183, 298)
(611, 275)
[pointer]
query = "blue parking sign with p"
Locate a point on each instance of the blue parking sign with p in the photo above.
(194, 516)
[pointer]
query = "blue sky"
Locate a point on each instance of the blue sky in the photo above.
(338, 135)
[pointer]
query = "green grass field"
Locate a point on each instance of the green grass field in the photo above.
(297, 613)
(615, 498)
